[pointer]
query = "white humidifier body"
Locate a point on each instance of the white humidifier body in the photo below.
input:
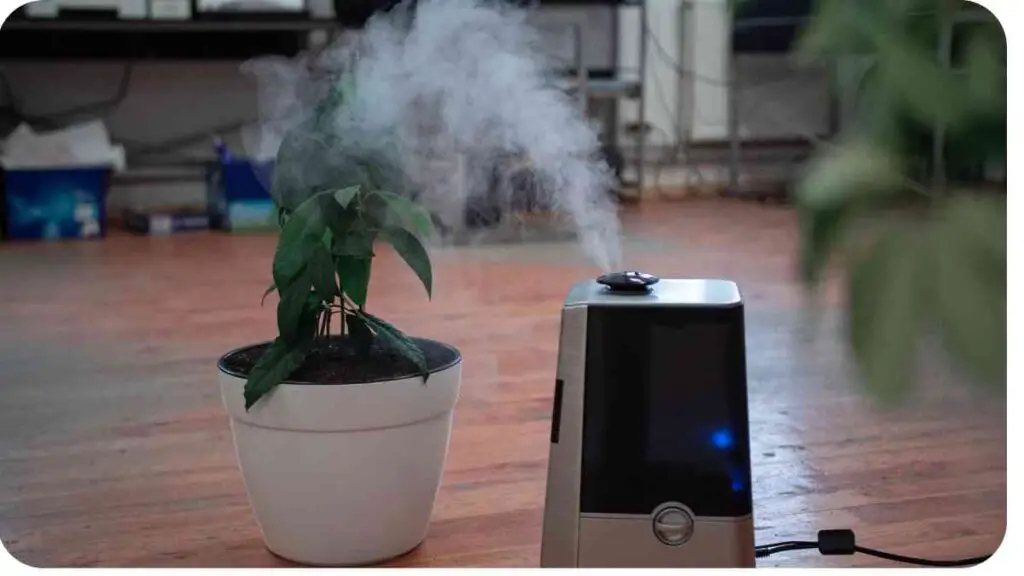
(650, 452)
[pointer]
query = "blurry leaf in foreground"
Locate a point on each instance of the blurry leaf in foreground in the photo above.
(849, 172)
(820, 232)
(984, 67)
(884, 286)
(968, 295)
(927, 90)
(837, 185)
(828, 32)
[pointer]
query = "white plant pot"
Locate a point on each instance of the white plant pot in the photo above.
(344, 475)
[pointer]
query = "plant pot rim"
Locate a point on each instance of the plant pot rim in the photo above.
(455, 361)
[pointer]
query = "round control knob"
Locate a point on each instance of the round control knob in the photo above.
(673, 526)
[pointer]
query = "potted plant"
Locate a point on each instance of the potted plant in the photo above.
(341, 423)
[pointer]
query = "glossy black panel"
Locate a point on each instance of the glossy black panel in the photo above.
(665, 415)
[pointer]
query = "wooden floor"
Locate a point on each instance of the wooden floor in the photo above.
(114, 450)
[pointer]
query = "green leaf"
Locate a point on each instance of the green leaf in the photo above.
(826, 33)
(267, 293)
(985, 68)
(820, 232)
(413, 252)
(840, 185)
(354, 272)
(968, 294)
(357, 242)
(300, 236)
(400, 211)
(350, 236)
(277, 363)
(396, 340)
(292, 309)
(321, 267)
(883, 292)
(345, 195)
(928, 91)
(851, 172)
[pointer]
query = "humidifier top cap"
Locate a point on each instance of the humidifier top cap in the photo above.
(628, 281)
(632, 288)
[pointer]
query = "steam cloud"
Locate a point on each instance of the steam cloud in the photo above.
(447, 96)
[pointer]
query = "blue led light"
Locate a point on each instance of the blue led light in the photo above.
(722, 439)
(737, 485)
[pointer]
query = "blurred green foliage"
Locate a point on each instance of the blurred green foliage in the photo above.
(920, 237)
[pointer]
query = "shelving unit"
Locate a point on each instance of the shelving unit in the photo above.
(608, 85)
(40, 39)
(27, 40)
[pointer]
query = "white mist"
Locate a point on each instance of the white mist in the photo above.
(449, 94)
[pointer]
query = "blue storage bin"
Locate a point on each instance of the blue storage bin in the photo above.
(238, 197)
(54, 203)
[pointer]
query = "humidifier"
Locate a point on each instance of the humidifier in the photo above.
(650, 454)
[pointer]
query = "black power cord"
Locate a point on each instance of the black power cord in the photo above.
(844, 542)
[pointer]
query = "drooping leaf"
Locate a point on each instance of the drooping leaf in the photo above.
(968, 294)
(396, 340)
(267, 293)
(354, 272)
(884, 294)
(345, 195)
(321, 267)
(412, 251)
(300, 236)
(292, 310)
(276, 364)
(400, 211)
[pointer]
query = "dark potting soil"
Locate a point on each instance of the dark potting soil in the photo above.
(335, 361)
